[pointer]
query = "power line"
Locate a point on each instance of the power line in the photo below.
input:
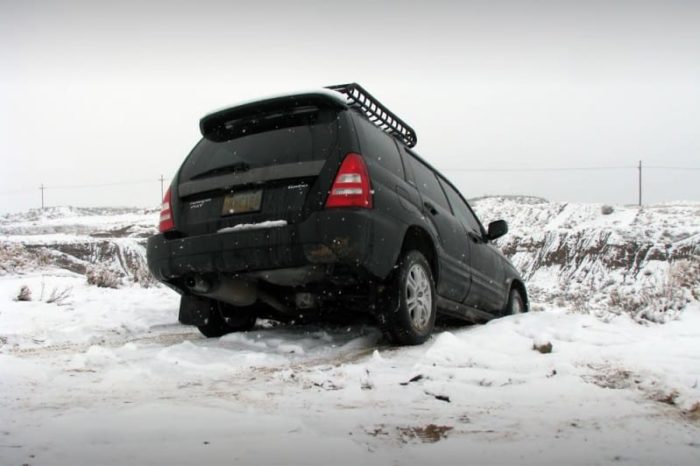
(15, 191)
(563, 169)
(43, 187)
(536, 169)
(671, 168)
(77, 186)
(81, 186)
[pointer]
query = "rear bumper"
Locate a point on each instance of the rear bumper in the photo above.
(328, 237)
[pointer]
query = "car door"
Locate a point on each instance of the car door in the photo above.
(452, 248)
(486, 268)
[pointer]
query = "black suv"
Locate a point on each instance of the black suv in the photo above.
(314, 204)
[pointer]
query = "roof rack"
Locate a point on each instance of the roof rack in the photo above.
(377, 113)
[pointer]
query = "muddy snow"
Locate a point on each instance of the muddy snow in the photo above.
(107, 377)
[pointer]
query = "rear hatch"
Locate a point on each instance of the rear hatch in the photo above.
(258, 165)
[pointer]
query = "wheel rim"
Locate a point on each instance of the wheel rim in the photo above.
(419, 296)
(517, 306)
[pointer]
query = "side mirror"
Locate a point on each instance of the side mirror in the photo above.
(497, 229)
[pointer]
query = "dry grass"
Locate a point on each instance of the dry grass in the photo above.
(103, 277)
(662, 303)
(17, 258)
(59, 297)
(144, 277)
(431, 433)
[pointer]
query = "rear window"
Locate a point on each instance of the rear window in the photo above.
(275, 138)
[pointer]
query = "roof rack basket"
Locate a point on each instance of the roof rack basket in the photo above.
(377, 113)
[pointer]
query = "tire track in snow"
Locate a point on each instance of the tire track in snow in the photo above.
(166, 338)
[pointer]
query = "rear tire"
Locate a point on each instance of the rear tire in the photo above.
(408, 315)
(225, 318)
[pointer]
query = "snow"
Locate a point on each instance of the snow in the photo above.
(110, 378)
(254, 226)
(574, 253)
(79, 221)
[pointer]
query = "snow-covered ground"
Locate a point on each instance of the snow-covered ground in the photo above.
(642, 261)
(107, 376)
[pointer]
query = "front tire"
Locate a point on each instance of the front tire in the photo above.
(516, 303)
(225, 318)
(408, 318)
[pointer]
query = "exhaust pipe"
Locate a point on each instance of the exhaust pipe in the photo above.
(198, 285)
(235, 291)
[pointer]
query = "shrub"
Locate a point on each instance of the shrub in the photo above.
(13, 257)
(664, 302)
(103, 277)
(144, 277)
(59, 297)
(606, 210)
(17, 257)
(685, 273)
(25, 294)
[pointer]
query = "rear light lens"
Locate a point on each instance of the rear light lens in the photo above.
(166, 214)
(351, 186)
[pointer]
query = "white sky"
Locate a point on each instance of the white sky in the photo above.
(98, 93)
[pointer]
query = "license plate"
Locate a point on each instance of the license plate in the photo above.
(242, 202)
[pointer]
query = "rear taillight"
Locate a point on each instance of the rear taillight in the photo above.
(351, 187)
(166, 214)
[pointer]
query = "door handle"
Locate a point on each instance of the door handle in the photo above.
(431, 208)
(474, 237)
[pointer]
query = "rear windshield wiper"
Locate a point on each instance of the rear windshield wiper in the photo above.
(233, 168)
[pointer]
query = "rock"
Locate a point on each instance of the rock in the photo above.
(542, 347)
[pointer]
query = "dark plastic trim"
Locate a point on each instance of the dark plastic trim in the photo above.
(377, 113)
(254, 175)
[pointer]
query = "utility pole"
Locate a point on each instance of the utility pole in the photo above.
(640, 183)
(42, 195)
(161, 187)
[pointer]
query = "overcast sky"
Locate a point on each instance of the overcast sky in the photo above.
(109, 92)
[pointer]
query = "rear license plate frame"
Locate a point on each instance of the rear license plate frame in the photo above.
(242, 202)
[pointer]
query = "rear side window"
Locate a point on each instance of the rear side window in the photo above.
(460, 208)
(428, 183)
(265, 140)
(380, 148)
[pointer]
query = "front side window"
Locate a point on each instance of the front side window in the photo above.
(461, 209)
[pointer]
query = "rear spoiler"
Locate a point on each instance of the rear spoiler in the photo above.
(214, 125)
(377, 113)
